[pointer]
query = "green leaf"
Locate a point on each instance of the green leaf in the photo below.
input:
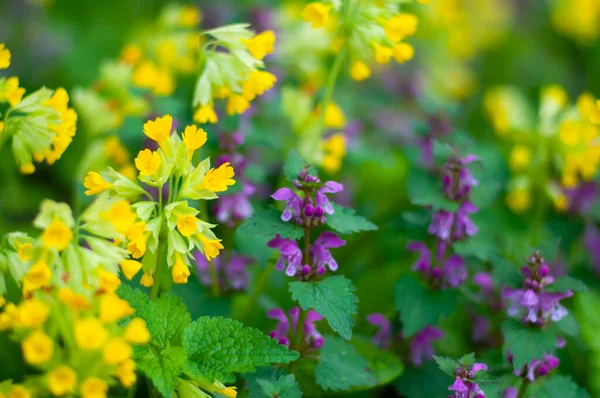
(219, 347)
(447, 365)
(568, 325)
(267, 222)
(420, 307)
(442, 152)
(480, 246)
(558, 386)
(345, 221)
(423, 191)
(283, 387)
(505, 273)
(484, 194)
(424, 381)
(341, 367)
(384, 365)
(163, 369)
(332, 298)
(565, 283)
(166, 317)
(294, 165)
(467, 360)
(526, 344)
(548, 249)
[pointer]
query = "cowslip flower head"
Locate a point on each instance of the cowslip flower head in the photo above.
(287, 326)
(4, 57)
(261, 45)
(317, 14)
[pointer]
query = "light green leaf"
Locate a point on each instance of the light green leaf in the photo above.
(526, 344)
(163, 369)
(385, 366)
(447, 365)
(564, 283)
(341, 367)
(345, 221)
(294, 165)
(268, 222)
(283, 387)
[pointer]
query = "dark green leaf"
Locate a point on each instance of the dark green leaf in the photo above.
(526, 344)
(425, 381)
(283, 387)
(345, 221)
(332, 298)
(423, 191)
(341, 367)
(558, 386)
(447, 365)
(505, 273)
(163, 369)
(294, 165)
(467, 360)
(384, 365)
(267, 222)
(564, 283)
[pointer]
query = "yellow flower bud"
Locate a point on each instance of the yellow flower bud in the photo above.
(359, 71)
(400, 26)
(147, 280)
(113, 308)
(205, 114)
(33, 313)
(403, 52)
(62, 380)
(317, 14)
(180, 271)
(126, 373)
(130, 268)
(217, 180)
(57, 235)
(261, 45)
(117, 351)
(93, 387)
(520, 158)
(187, 225)
(90, 333)
(37, 348)
(383, 54)
(137, 332)
(95, 183)
(211, 246)
(4, 57)
(237, 104)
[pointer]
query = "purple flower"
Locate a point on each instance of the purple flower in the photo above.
(464, 386)
(236, 206)
(591, 241)
(293, 203)
(322, 200)
(458, 180)
(464, 226)
(283, 332)
(481, 328)
(383, 337)
(290, 255)
(452, 271)
(421, 344)
(537, 368)
(510, 392)
(441, 224)
(320, 254)
(233, 273)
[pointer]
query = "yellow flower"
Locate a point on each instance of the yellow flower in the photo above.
(37, 348)
(75, 301)
(147, 162)
(27, 168)
(95, 183)
(24, 250)
(403, 52)
(1, 127)
(217, 180)
(10, 317)
(137, 247)
(18, 391)
(190, 17)
(57, 235)
(360, 71)
(556, 94)
(11, 91)
(33, 313)
(107, 281)
(93, 387)
(38, 275)
(194, 138)
(131, 54)
(159, 129)
(2, 301)
(121, 215)
(145, 75)
(126, 373)
(205, 114)
(334, 117)
(561, 202)
(317, 14)
(237, 104)
(164, 84)
(137, 332)
(117, 351)
(230, 392)
(180, 271)
(114, 149)
(257, 84)
(130, 268)
(211, 246)
(519, 200)
(113, 308)
(4, 57)
(261, 45)
(62, 380)
(147, 279)
(383, 54)
(400, 26)
(90, 333)
(187, 225)
(59, 101)
(520, 158)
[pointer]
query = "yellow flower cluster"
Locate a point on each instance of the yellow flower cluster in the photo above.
(170, 221)
(578, 19)
(41, 125)
(237, 75)
(75, 341)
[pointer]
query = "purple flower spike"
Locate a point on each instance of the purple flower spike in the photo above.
(293, 203)
(287, 325)
(454, 270)
(232, 271)
(423, 263)
(383, 337)
(510, 392)
(441, 224)
(464, 386)
(458, 180)
(283, 326)
(322, 200)
(290, 254)
(310, 330)
(464, 226)
(320, 253)
(421, 347)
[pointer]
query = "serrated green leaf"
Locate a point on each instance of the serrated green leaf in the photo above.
(505, 273)
(423, 191)
(558, 386)
(467, 360)
(385, 366)
(424, 381)
(526, 344)
(420, 307)
(345, 221)
(163, 369)
(446, 365)
(442, 152)
(294, 165)
(218, 347)
(565, 283)
(548, 249)
(341, 367)
(480, 246)
(268, 222)
(283, 387)
(332, 298)
(166, 317)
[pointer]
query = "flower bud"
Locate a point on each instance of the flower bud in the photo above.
(309, 210)
(321, 270)
(319, 212)
(526, 271)
(299, 220)
(544, 271)
(552, 362)
(306, 270)
(436, 273)
(542, 370)
(318, 342)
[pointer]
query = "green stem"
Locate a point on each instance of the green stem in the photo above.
(259, 286)
(158, 270)
(214, 279)
(523, 389)
(132, 390)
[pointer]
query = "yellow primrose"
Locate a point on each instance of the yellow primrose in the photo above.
(159, 129)
(27, 168)
(360, 71)
(24, 250)
(164, 83)
(9, 318)
(130, 268)
(137, 247)
(120, 215)
(113, 308)
(217, 180)
(180, 271)
(383, 54)
(90, 333)
(38, 275)
(33, 313)
(519, 200)
(211, 246)
(93, 387)
(4, 57)
(317, 14)
(403, 52)
(107, 281)
(145, 75)
(187, 224)
(147, 279)
(194, 138)
(147, 162)
(589, 108)
(334, 117)
(126, 372)
(520, 158)
(400, 26)
(205, 114)
(189, 17)
(257, 84)
(19, 391)
(37, 348)
(62, 380)
(137, 332)
(57, 235)
(75, 301)
(95, 183)
(237, 104)
(261, 45)
(230, 392)
(11, 92)
(117, 351)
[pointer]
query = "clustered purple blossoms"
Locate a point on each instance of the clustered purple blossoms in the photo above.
(282, 331)
(308, 211)
(536, 368)
(446, 270)
(232, 270)
(420, 346)
(464, 386)
(531, 302)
